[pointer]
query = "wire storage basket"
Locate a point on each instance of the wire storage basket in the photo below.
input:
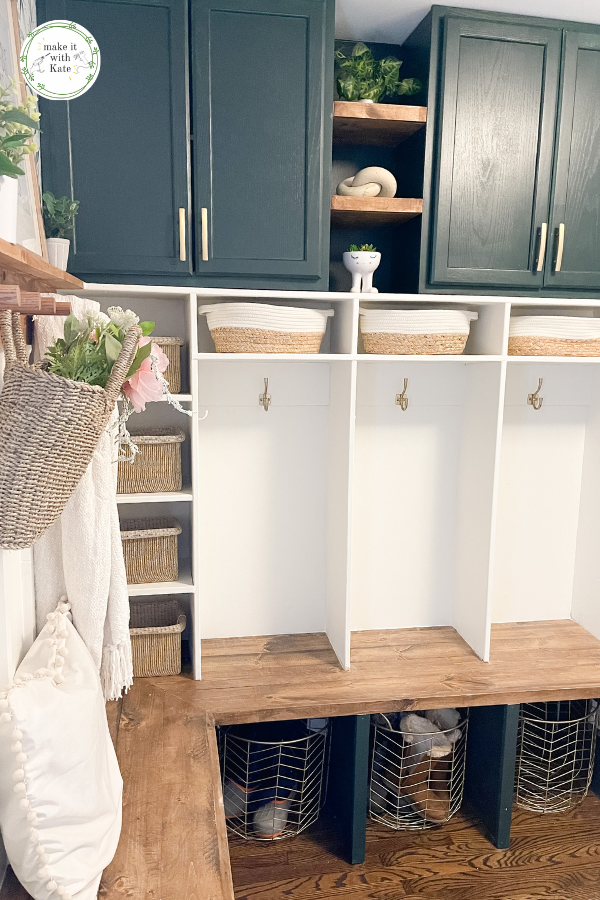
(417, 777)
(555, 754)
(155, 627)
(274, 777)
(150, 549)
(171, 347)
(157, 467)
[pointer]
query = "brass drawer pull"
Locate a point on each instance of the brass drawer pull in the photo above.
(542, 247)
(182, 248)
(560, 247)
(204, 224)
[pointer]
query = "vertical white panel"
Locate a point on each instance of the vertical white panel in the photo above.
(540, 489)
(489, 332)
(586, 586)
(196, 624)
(341, 461)
(477, 499)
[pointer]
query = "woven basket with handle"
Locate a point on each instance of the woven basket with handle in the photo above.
(155, 628)
(49, 429)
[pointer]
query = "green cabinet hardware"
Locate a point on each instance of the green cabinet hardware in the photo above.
(121, 148)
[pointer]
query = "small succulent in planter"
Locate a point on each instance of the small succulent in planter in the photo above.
(361, 261)
(59, 223)
(362, 77)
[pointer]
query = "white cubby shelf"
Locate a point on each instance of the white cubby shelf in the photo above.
(338, 511)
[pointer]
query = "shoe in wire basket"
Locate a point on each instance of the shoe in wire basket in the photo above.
(555, 754)
(417, 767)
(274, 777)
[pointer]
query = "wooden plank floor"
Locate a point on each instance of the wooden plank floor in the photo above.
(554, 857)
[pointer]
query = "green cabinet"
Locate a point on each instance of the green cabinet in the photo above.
(574, 257)
(260, 78)
(495, 152)
(121, 148)
(512, 158)
(200, 158)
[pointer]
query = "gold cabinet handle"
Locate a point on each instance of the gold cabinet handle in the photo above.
(182, 249)
(204, 224)
(542, 247)
(560, 246)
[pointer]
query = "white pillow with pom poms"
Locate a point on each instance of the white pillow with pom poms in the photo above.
(60, 785)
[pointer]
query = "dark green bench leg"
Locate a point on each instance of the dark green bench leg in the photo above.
(490, 770)
(348, 782)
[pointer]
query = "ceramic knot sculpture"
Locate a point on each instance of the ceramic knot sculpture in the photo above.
(374, 181)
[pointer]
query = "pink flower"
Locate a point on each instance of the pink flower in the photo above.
(143, 386)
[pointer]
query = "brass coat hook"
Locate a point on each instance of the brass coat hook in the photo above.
(534, 399)
(402, 399)
(265, 399)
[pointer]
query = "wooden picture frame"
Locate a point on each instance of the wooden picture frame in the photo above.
(30, 224)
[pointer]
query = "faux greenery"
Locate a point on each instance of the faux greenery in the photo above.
(90, 348)
(59, 215)
(17, 126)
(354, 248)
(362, 77)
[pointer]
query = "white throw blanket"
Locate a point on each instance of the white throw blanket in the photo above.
(81, 556)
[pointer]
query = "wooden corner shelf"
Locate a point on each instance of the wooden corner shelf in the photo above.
(32, 273)
(385, 124)
(370, 211)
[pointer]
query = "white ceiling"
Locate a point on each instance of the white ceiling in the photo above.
(391, 21)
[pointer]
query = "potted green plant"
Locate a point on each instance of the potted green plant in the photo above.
(363, 78)
(59, 222)
(361, 261)
(18, 123)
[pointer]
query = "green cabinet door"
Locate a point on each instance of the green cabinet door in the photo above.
(576, 204)
(122, 148)
(262, 113)
(494, 152)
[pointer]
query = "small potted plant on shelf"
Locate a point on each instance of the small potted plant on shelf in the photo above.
(361, 261)
(59, 222)
(365, 79)
(18, 124)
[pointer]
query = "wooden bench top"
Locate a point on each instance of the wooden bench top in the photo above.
(174, 841)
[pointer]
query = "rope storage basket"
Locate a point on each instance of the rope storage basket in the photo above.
(263, 328)
(415, 331)
(171, 347)
(556, 747)
(49, 429)
(155, 629)
(554, 336)
(157, 467)
(150, 549)
(417, 776)
(273, 777)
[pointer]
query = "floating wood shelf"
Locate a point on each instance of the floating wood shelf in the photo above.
(32, 273)
(369, 211)
(375, 123)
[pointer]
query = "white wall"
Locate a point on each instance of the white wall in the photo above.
(391, 21)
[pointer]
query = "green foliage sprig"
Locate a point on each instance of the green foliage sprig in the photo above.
(89, 348)
(18, 123)
(59, 215)
(364, 248)
(362, 77)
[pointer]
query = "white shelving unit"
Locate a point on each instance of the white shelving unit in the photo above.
(337, 511)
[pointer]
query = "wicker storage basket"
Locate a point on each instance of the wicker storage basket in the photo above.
(150, 549)
(415, 331)
(261, 328)
(155, 629)
(157, 467)
(554, 336)
(49, 429)
(171, 347)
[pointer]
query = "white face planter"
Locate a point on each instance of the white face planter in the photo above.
(361, 264)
